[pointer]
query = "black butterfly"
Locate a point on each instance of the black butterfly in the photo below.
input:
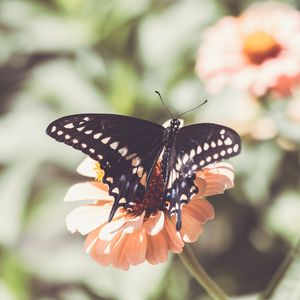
(128, 149)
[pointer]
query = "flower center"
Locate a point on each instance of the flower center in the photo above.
(153, 198)
(260, 46)
(99, 172)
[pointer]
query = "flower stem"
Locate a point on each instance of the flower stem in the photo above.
(189, 260)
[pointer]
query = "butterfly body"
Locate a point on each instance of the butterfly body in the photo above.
(134, 153)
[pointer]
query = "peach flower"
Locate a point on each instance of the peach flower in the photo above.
(258, 51)
(130, 239)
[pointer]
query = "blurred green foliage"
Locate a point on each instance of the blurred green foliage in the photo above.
(60, 57)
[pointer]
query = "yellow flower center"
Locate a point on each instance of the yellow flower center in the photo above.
(99, 172)
(260, 46)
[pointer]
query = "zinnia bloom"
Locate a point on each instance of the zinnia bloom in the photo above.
(258, 51)
(131, 237)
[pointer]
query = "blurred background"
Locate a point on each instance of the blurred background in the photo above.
(60, 57)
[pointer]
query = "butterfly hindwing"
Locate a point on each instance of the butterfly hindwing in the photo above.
(126, 148)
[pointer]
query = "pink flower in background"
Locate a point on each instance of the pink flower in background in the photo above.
(131, 239)
(258, 51)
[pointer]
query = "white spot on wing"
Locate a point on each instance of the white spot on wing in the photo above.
(208, 158)
(97, 135)
(183, 197)
(199, 150)
(122, 200)
(215, 156)
(222, 131)
(75, 141)
(229, 150)
(213, 144)
(92, 150)
(206, 146)
(53, 128)
(220, 142)
(105, 140)
(123, 151)
(80, 128)
(116, 190)
(193, 153)
(69, 125)
(223, 152)
(110, 179)
(88, 131)
(114, 145)
(83, 145)
(86, 118)
(236, 148)
(67, 136)
(59, 132)
(228, 141)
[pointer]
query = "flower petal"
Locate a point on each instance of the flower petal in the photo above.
(87, 167)
(157, 249)
(172, 237)
(200, 209)
(134, 224)
(155, 223)
(119, 259)
(194, 215)
(86, 218)
(91, 239)
(136, 246)
(218, 178)
(87, 191)
(102, 251)
(111, 229)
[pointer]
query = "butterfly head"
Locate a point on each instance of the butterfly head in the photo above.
(175, 124)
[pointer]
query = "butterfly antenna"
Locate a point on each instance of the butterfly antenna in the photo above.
(164, 104)
(191, 109)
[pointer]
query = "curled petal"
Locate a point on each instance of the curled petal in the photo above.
(218, 177)
(87, 191)
(155, 223)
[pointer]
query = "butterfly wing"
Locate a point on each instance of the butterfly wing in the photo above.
(126, 148)
(195, 147)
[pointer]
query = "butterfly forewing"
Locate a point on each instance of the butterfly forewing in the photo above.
(202, 144)
(126, 148)
(195, 147)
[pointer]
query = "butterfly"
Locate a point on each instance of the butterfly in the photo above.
(129, 148)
